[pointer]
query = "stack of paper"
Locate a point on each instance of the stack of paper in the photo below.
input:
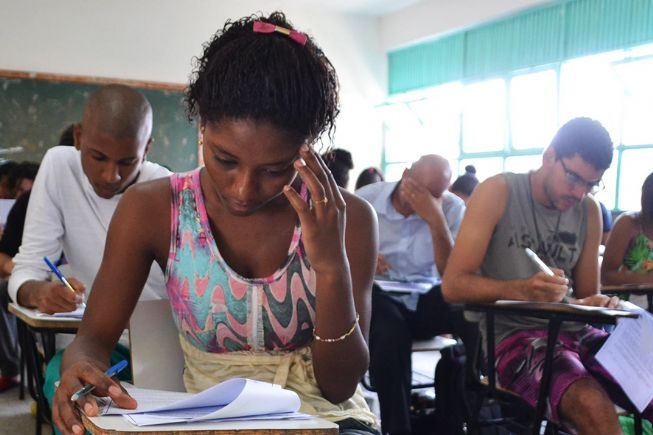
(627, 356)
(235, 399)
(419, 287)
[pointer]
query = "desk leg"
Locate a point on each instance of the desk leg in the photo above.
(34, 363)
(545, 387)
(22, 363)
(489, 324)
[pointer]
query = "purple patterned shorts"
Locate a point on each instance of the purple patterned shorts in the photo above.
(520, 360)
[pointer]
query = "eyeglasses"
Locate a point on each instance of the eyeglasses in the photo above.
(575, 180)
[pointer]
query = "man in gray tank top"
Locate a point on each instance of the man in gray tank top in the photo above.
(549, 211)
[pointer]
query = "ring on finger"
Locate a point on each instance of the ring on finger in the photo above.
(324, 201)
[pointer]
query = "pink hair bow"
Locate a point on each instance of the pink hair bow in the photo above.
(263, 27)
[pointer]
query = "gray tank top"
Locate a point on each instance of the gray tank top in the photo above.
(557, 238)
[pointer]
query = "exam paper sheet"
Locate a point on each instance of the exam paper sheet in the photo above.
(233, 399)
(627, 356)
(420, 287)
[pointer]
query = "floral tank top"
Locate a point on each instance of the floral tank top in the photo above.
(215, 308)
(639, 256)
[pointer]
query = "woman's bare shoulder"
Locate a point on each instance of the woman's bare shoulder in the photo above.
(147, 198)
(357, 207)
(150, 190)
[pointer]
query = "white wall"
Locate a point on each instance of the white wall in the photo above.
(154, 40)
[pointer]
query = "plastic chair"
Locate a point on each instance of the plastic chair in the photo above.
(436, 343)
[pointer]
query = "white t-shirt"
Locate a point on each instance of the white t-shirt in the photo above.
(66, 215)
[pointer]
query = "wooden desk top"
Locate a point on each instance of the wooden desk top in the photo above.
(548, 310)
(116, 425)
(37, 320)
(635, 289)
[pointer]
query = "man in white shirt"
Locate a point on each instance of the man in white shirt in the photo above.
(73, 199)
(75, 194)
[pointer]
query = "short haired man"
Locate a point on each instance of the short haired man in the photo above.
(75, 194)
(549, 211)
(73, 199)
(418, 222)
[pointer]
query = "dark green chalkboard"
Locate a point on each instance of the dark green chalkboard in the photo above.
(34, 112)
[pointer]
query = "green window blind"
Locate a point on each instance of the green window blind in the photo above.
(538, 36)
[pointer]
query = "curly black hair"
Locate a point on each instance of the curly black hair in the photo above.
(467, 182)
(265, 77)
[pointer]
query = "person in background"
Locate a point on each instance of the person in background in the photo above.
(339, 162)
(369, 176)
(9, 243)
(21, 177)
(550, 211)
(465, 184)
(68, 136)
(12, 236)
(73, 199)
(628, 256)
(418, 223)
(289, 306)
(607, 223)
(6, 189)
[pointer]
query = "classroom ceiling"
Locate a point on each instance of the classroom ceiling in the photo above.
(363, 7)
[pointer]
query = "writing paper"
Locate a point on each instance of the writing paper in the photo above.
(627, 356)
(404, 286)
(237, 398)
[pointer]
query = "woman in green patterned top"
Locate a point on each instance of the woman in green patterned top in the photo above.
(628, 257)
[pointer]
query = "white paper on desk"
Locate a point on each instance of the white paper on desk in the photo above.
(163, 418)
(627, 356)
(77, 314)
(5, 207)
(232, 399)
(560, 306)
(405, 286)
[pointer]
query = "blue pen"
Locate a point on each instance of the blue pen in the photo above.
(111, 372)
(62, 278)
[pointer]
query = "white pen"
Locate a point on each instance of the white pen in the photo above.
(546, 269)
(543, 267)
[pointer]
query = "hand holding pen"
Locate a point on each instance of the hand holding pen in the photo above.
(79, 297)
(87, 389)
(547, 270)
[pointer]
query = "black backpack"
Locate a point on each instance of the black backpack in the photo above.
(450, 406)
(454, 400)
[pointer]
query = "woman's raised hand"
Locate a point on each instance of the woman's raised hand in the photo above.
(323, 216)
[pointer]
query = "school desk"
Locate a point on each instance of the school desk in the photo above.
(631, 289)
(30, 324)
(117, 425)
